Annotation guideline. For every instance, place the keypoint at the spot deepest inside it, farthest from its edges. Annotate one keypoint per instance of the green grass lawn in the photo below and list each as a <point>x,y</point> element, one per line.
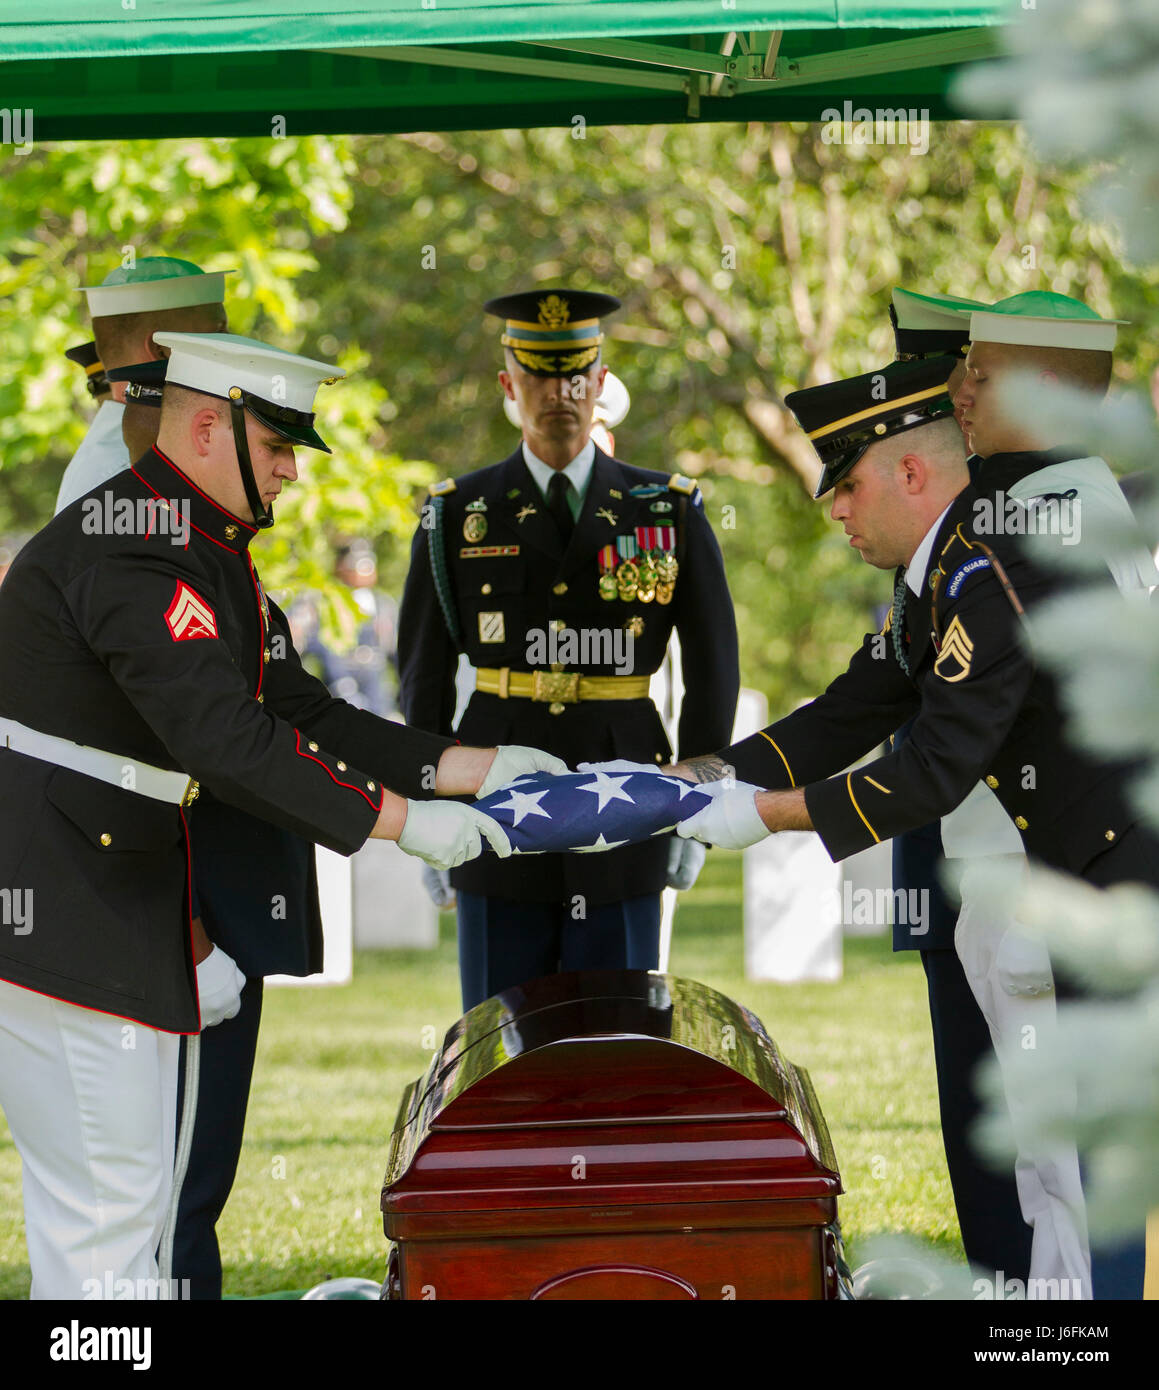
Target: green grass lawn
<point>332,1064</point>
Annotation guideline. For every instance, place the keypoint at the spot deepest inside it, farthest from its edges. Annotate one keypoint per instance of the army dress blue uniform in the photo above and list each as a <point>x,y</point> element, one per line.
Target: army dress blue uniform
<point>490,573</point>
<point>994,1233</point>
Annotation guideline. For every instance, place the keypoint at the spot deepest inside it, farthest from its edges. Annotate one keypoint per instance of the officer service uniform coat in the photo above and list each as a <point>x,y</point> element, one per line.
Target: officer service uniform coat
<point>171,655</point>
<point>524,582</point>
<point>983,707</point>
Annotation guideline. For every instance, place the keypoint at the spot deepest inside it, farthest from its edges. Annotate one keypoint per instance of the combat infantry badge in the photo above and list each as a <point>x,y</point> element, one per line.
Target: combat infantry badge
<point>953,664</point>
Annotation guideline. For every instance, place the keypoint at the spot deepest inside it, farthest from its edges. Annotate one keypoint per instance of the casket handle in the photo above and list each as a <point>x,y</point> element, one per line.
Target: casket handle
<point>616,1282</point>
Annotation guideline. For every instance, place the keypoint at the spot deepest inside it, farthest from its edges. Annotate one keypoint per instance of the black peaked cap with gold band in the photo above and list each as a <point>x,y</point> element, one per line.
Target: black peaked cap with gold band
<point>844,418</point>
<point>553,332</point>
<point>85,355</point>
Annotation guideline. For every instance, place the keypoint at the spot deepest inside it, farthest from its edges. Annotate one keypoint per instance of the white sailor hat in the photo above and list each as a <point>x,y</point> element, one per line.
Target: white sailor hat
<point>155,283</point>
<point>1041,318</point>
<point>276,387</point>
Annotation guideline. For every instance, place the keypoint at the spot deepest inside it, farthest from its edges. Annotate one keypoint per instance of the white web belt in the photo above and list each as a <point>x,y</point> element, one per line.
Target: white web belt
<point>118,771</point>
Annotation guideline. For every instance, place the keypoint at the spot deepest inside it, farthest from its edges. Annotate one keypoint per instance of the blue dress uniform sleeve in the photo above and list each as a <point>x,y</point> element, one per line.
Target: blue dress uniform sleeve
<point>971,696</point>
<point>706,625</point>
<point>427,658</point>
<point>194,698</point>
<point>402,758</point>
<point>868,702</point>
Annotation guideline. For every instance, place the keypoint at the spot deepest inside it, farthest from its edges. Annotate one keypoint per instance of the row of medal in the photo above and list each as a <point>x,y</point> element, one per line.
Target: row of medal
<point>641,567</point>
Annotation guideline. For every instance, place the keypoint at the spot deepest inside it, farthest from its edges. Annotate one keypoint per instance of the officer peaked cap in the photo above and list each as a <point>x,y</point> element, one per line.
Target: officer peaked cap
<point>844,418</point>
<point>553,332</point>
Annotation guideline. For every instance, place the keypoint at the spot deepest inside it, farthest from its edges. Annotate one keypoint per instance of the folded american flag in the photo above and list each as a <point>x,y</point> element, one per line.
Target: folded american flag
<point>588,811</point>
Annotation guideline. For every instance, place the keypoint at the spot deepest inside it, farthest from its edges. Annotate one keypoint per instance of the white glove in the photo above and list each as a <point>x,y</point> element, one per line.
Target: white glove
<point>219,987</point>
<point>730,820</point>
<point>446,833</point>
<point>685,861</point>
<point>513,760</point>
<point>618,765</point>
<point>437,882</point>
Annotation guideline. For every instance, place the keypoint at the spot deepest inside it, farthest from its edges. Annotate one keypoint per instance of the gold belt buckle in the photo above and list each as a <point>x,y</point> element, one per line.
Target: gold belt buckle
<point>191,792</point>
<point>557,687</point>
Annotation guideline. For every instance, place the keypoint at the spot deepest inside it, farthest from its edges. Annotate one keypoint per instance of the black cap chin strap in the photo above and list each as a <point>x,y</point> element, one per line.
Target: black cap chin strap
<point>263,516</point>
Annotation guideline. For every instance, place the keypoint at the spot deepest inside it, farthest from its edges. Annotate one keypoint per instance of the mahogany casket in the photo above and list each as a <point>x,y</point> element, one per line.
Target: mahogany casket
<point>611,1135</point>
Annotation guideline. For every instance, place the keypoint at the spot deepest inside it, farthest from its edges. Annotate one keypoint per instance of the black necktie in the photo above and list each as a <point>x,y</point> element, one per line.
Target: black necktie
<point>557,495</point>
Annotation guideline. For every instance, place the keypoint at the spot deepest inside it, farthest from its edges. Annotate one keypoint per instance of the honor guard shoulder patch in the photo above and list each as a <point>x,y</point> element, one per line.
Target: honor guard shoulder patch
<point>189,615</point>
<point>963,572</point>
<point>443,488</point>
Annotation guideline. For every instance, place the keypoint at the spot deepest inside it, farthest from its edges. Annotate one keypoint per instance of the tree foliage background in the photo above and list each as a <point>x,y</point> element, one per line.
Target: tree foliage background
<point>752,260</point>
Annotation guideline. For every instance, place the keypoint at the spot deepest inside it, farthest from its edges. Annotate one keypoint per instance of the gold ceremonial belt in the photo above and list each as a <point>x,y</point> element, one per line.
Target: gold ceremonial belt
<point>558,687</point>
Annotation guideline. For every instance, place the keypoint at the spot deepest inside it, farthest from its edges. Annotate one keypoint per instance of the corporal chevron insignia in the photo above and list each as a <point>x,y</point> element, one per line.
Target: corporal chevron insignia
<point>953,664</point>
<point>590,811</point>
<point>189,615</point>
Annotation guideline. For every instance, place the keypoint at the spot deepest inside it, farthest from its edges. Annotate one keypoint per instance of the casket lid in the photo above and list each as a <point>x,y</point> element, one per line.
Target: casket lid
<point>595,1049</point>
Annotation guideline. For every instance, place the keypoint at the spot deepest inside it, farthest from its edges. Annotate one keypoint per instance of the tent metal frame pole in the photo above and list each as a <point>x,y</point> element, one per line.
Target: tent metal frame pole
<point>757,71</point>
<point>518,66</point>
<point>684,68</point>
<point>939,50</point>
<point>735,65</point>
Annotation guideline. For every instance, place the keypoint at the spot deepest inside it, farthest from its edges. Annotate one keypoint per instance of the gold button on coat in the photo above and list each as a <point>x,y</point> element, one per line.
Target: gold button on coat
<point>370,786</point>
<point>486,589</point>
<point>106,838</point>
<point>313,747</point>
<point>266,656</point>
<point>341,767</point>
<point>992,782</point>
<point>560,589</point>
<point>555,707</point>
<point>1110,835</point>
<point>1021,822</point>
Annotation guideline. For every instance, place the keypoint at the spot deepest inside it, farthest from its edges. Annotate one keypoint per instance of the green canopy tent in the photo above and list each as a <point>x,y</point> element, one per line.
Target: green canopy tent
<point>93,69</point>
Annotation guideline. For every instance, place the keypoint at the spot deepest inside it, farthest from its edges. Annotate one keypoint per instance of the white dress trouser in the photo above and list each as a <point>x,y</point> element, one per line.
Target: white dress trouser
<point>91,1102</point>
<point>1010,976</point>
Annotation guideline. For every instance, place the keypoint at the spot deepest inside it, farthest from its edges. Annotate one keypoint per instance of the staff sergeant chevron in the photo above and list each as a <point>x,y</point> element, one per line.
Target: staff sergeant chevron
<point>957,653</point>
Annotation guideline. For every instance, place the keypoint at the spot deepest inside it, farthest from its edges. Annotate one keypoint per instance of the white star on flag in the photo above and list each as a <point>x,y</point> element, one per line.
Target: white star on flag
<point>682,786</point>
<point>607,789</point>
<point>600,843</point>
<point>524,804</point>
